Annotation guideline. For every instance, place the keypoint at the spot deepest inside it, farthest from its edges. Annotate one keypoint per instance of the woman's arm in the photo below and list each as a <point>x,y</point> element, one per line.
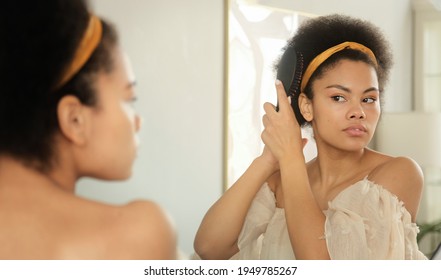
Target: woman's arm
<point>305,220</point>
<point>218,233</point>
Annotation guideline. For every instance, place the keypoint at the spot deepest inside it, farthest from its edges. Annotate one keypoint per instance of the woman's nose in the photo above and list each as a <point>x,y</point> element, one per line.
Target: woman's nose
<point>356,112</point>
<point>138,122</point>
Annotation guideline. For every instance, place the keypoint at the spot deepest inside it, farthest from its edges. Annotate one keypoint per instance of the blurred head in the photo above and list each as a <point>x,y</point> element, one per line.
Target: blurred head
<point>42,40</point>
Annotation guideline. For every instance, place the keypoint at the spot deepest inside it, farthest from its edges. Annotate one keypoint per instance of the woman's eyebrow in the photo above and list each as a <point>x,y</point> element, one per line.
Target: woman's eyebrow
<point>343,88</point>
<point>340,87</point>
<point>371,89</point>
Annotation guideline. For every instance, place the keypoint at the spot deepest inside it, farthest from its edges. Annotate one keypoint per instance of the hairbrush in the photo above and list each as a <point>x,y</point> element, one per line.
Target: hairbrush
<point>289,72</point>
<point>287,69</point>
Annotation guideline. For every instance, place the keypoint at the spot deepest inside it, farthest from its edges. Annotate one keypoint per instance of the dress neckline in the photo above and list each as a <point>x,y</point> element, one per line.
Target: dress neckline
<point>371,184</point>
<point>273,195</point>
<point>343,191</point>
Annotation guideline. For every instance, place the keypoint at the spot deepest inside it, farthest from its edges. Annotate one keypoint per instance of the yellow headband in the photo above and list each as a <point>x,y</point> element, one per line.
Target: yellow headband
<point>89,42</point>
<point>318,60</point>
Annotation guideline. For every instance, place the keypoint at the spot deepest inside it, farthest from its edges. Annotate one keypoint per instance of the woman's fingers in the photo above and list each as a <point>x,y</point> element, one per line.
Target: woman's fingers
<point>284,101</point>
<point>269,108</point>
<point>281,131</point>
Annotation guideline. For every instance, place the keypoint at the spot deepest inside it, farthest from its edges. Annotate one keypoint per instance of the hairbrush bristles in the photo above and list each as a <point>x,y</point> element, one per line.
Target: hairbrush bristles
<point>294,89</point>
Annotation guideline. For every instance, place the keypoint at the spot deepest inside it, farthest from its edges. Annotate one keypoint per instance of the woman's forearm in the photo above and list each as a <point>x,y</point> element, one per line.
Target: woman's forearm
<point>220,228</point>
<point>305,220</point>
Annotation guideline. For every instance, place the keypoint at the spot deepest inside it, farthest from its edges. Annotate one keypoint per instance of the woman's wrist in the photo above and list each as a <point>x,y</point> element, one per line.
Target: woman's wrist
<point>265,165</point>
<point>292,158</point>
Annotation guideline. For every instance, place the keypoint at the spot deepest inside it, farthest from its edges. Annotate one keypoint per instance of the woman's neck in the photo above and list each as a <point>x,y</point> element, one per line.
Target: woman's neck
<point>14,173</point>
<point>333,167</point>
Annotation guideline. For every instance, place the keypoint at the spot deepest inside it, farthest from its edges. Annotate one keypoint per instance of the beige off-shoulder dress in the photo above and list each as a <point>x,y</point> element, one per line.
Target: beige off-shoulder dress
<point>364,221</point>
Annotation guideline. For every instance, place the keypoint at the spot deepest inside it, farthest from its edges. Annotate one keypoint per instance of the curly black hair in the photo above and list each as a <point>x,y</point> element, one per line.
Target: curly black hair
<point>40,39</point>
<point>321,33</point>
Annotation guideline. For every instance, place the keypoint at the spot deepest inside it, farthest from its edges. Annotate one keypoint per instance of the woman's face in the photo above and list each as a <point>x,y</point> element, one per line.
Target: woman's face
<point>346,105</point>
<point>114,123</point>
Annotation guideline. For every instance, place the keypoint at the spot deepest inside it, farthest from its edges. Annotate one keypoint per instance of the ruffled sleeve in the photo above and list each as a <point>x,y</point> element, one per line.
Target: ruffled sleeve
<point>366,221</point>
<point>256,222</point>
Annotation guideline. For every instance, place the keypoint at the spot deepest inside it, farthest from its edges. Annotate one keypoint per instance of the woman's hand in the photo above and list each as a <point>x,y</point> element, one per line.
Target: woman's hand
<point>281,134</point>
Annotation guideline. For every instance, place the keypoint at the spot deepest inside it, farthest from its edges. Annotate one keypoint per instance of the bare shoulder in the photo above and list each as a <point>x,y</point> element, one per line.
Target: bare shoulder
<point>403,177</point>
<point>58,225</point>
<point>144,230</point>
<point>137,230</point>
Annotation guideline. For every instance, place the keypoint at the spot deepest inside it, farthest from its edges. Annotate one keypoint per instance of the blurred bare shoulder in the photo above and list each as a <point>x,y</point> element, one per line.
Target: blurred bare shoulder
<point>145,231</point>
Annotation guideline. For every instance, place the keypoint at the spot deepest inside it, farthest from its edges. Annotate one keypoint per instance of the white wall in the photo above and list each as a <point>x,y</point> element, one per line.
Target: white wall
<point>176,47</point>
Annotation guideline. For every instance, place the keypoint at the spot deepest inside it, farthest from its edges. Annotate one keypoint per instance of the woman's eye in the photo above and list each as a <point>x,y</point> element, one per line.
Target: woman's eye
<point>132,99</point>
<point>369,100</point>
<point>338,98</point>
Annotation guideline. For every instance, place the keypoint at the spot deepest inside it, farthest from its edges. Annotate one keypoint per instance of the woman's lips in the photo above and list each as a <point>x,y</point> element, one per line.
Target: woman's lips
<point>355,130</point>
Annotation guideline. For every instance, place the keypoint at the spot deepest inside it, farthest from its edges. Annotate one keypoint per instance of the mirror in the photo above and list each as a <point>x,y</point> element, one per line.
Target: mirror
<point>256,36</point>
<point>257,31</point>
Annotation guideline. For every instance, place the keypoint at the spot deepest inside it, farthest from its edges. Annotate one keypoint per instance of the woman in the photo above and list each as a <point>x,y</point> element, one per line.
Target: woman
<point>350,202</point>
<point>66,113</point>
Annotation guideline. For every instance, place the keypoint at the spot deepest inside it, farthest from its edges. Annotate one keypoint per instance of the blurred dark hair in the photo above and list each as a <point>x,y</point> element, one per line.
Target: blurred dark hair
<point>40,40</point>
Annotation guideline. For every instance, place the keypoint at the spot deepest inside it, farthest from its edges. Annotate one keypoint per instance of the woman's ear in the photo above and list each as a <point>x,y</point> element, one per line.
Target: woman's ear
<point>305,106</point>
<point>72,118</point>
